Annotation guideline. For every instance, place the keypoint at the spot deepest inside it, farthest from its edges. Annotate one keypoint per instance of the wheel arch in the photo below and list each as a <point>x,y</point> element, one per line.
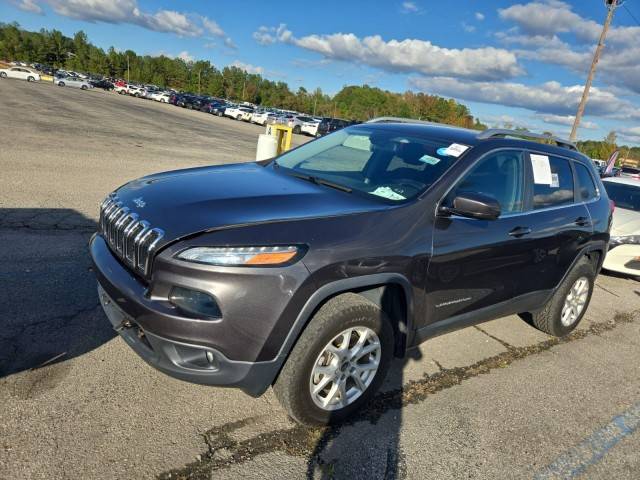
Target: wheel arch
<point>392,292</point>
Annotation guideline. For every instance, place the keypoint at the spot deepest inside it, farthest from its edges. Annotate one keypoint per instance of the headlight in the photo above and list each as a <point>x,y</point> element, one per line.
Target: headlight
<point>625,240</point>
<point>237,256</point>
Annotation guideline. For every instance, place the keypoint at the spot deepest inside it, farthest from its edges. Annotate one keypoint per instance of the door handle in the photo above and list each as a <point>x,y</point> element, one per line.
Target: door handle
<point>583,222</point>
<point>520,232</point>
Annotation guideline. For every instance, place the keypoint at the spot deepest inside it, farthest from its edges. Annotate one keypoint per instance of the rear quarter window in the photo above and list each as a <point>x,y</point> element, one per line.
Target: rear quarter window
<point>587,189</point>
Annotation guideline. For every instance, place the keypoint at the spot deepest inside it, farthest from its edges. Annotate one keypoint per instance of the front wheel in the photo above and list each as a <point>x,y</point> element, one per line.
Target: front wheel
<point>61,84</point>
<point>296,129</point>
<point>3,74</point>
<point>31,79</point>
<point>564,310</point>
<point>338,363</point>
<point>83,87</point>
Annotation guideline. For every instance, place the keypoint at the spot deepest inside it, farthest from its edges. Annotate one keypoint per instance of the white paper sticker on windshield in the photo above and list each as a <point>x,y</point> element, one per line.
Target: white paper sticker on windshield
<point>455,150</point>
<point>541,169</point>
<point>555,181</point>
<point>386,192</point>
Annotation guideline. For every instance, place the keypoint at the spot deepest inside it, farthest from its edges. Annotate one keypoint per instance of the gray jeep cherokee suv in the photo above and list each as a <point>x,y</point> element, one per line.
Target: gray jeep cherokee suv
<point>310,272</point>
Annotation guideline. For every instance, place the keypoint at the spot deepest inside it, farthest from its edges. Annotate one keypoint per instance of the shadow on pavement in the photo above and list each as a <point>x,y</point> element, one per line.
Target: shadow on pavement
<point>370,446</point>
<point>49,309</point>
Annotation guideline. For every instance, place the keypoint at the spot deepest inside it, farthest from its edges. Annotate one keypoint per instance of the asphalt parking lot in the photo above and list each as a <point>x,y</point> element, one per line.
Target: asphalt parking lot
<point>501,400</point>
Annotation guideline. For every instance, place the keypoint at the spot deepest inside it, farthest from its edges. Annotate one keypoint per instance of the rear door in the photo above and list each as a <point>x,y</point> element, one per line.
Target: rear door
<point>559,221</point>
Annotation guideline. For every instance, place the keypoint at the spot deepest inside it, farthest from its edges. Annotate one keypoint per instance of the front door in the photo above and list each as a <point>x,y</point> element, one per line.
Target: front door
<point>476,263</point>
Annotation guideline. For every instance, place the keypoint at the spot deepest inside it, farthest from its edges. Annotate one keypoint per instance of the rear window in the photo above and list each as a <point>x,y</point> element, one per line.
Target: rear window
<point>630,170</point>
<point>624,196</point>
<point>586,186</point>
<point>559,189</point>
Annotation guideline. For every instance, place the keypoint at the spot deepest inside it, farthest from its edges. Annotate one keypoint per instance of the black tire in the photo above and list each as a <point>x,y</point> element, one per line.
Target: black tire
<point>296,129</point>
<point>83,87</point>
<point>549,318</point>
<point>292,388</point>
<point>31,79</point>
<point>3,74</point>
<point>61,84</point>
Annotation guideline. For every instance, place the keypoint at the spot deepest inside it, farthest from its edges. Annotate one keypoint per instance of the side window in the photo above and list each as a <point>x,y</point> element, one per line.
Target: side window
<point>499,175</point>
<point>586,187</point>
<point>560,190</point>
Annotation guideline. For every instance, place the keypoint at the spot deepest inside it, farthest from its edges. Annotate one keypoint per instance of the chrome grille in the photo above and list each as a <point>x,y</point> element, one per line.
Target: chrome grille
<point>130,238</point>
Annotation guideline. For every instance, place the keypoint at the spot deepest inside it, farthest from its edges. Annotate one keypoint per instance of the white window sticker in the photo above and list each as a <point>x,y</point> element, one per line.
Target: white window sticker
<point>541,169</point>
<point>455,150</point>
<point>386,192</point>
<point>555,181</point>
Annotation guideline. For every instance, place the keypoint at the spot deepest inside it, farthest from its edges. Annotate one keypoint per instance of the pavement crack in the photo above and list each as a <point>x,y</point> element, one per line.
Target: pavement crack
<point>308,442</point>
<point>607,290</point>
<point>505,344</point>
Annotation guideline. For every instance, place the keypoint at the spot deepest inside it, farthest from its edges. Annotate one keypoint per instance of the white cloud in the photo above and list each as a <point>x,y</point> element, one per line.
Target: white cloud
<point>184,55</point>
<point>410,7</point>
<point>468,28</point>
<point>479,16</point>
<point>28,6</point>
<point>247,67</point>
<point>566,120</point>
<point>128,11</point>
<point>550,97</point>
<point>229,44</point>
<point>631,134</point>
<point>409,55</point>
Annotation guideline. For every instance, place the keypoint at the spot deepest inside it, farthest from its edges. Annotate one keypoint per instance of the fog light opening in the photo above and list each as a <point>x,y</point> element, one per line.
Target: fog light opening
<point>195,304</point>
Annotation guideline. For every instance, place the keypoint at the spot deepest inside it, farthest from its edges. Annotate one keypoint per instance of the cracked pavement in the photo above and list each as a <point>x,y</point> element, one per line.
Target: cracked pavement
<point>500,400</point>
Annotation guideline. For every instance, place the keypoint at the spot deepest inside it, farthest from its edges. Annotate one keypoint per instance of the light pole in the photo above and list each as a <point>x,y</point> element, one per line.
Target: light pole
<point>611,7</point>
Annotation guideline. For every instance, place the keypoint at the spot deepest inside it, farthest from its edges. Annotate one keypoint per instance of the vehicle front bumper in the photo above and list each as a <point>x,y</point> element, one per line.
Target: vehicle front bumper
<point>126,302</point>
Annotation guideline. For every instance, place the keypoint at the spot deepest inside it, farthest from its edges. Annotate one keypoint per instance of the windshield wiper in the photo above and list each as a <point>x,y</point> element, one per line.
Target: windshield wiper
<point>321,181</point>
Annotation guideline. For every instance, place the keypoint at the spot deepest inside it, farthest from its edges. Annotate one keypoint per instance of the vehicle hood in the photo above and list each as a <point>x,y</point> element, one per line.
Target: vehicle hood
<point>625,222</point>
<point>186,202</point>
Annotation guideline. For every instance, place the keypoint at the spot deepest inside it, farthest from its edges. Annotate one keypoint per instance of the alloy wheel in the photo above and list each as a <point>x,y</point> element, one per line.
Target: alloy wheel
<point>345,368</point>
<point>575,302</point>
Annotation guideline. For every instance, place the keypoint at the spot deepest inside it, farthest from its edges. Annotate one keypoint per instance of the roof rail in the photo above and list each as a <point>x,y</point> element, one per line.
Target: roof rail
<point>401,120</point>
<point>502,132</point>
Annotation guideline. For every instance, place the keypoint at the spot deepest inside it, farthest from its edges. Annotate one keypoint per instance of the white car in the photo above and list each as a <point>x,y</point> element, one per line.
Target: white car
<point>75,82</point>
<point>121,89</point>
<point>236,112</point>
<point>162,97</point>
<point>311,127</point>
<point>259,117</point>
<point>136,91</point>
<point>21,73</point>
<point>624,246</point>
<point>246,115</point>
<point>296,122</point>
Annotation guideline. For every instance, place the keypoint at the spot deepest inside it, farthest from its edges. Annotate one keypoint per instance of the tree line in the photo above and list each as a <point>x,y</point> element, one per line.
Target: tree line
<point>56,50</point>
<point>357,102</point>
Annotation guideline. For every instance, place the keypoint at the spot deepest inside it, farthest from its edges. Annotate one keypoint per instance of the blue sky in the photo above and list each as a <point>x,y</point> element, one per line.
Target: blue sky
<point>518,62</point>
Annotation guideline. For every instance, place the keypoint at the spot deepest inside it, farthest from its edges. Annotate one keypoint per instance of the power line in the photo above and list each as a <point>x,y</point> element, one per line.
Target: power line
<point>631,14</point>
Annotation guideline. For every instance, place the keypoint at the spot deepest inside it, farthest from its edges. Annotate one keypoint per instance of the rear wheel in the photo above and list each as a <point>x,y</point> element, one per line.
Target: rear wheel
<point>3,74</point>
<point>61,84</point>
<point>564,311</point>
<point>296,129</point>
<point>83,87</point>
<point>338,363</point>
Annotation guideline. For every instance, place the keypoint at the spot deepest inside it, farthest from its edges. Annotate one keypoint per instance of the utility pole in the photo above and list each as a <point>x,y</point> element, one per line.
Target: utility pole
<point>127,68</point>
<point>198,82</point>
<point>611,6</point>
<point>244,84</point>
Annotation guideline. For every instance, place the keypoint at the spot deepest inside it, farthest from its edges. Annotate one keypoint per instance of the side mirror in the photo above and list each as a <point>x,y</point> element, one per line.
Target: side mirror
<point>473,205</point>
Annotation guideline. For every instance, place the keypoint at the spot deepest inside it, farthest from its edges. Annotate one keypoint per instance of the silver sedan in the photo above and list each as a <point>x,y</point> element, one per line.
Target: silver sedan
<point>75,82</point>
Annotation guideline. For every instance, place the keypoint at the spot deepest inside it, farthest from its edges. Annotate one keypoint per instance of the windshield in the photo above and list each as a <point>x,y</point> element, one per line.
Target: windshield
<point>624,196</point>
<point>383,163</point>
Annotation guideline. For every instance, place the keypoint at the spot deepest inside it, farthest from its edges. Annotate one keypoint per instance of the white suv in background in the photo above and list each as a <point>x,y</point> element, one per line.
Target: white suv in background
<point>311,127</point>
<point>296,122</point>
